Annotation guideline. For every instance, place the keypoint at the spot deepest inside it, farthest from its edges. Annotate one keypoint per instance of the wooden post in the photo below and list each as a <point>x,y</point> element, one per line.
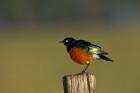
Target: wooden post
<point>79,83</point>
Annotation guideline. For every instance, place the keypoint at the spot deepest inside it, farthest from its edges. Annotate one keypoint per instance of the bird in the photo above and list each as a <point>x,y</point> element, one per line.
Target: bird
<point>84,52</point>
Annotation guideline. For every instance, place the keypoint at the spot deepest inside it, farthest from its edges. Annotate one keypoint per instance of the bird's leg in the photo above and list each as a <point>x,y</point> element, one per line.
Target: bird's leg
<point>84,70</point>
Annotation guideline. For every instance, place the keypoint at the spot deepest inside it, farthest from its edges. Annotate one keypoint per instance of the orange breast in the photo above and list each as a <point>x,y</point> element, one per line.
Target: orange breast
<point>80,56</point>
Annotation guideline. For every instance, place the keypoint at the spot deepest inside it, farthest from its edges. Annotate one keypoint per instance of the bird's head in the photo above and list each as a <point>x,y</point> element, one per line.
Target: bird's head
<point>68,41</point>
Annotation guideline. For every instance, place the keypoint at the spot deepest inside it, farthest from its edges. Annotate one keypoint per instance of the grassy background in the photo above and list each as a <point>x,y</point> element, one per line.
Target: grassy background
<point>32,60</point>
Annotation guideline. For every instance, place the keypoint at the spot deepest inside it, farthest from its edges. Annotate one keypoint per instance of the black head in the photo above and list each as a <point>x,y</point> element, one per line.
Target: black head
<point>68,41</point>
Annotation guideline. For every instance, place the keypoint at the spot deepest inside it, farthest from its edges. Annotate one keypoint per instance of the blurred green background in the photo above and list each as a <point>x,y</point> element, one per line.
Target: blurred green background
<point>32,60</point>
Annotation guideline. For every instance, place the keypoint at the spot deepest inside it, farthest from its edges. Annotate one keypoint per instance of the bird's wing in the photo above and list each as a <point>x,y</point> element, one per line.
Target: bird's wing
<point>96,51</point>
<point>84,43</point>
<point>89,47</point>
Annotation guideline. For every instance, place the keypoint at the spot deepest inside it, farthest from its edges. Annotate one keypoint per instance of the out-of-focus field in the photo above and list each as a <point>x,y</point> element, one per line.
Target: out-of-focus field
<point>32,60</point>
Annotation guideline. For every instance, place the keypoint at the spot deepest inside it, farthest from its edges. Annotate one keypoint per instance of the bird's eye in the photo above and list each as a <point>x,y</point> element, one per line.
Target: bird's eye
<point>67,41</point>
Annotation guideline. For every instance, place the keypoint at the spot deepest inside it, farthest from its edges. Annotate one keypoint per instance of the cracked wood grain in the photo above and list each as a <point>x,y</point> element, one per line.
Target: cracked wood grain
<point>79,83</point>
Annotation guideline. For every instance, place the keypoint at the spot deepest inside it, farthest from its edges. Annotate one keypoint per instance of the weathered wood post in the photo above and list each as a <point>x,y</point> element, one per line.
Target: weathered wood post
<point>79,83</point>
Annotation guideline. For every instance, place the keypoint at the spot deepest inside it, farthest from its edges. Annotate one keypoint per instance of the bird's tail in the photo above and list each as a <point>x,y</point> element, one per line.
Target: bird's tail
<point>105,58</point>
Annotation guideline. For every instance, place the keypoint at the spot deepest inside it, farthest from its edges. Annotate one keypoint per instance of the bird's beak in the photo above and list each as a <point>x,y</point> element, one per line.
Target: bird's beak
<point>60,41</point>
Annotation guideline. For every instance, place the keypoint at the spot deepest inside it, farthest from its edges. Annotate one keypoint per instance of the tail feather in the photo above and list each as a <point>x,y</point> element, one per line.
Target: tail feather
<point>104,53</point>
<point>105,58</point>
